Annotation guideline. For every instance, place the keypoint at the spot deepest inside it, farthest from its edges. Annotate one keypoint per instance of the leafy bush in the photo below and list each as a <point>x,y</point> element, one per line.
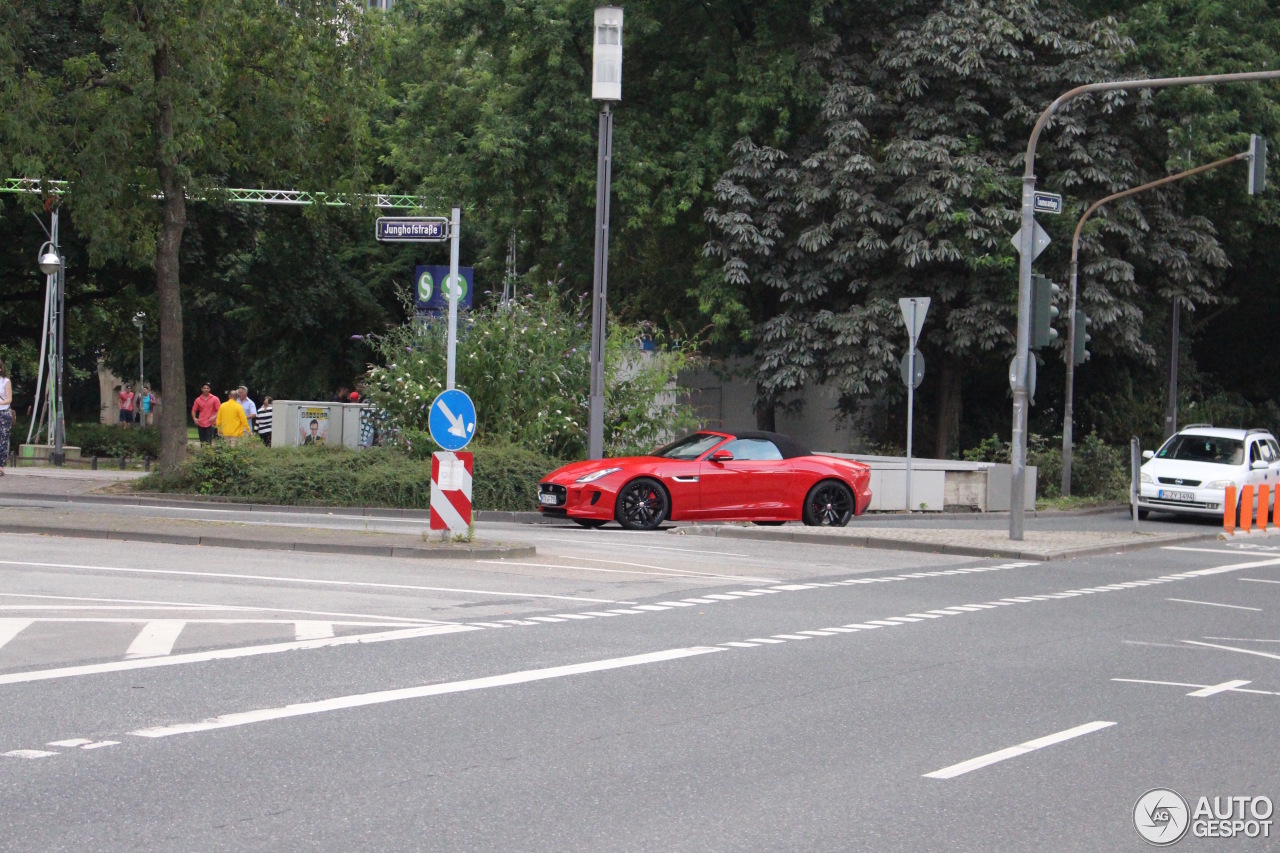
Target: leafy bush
<point>525,364</point>
<point>109,440</point>
<point>506,478</point>
<point>1098,469</point>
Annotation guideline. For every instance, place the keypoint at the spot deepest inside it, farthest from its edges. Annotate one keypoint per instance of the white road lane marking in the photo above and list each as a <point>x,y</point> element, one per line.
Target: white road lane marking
<point>628,546</point>
<point>1257,580</point>
<point>764,640</point>
<point>1234,649</point>
<point>72,742</point>
<point>10,628</point>
<point>1215,689</point>
<point>28,753</point>
<point>1213,604</point>
<point>1242,640</point>
<point>156,638</point>
<point>312,630</point>
<point>1014,751</point>
<point>101,744</point>
<point>384,696</point>
<point>197,606</point>
<point>668,569</point>
<point>316,581</point>
<point>227,654</point>
<point>1200,688</point>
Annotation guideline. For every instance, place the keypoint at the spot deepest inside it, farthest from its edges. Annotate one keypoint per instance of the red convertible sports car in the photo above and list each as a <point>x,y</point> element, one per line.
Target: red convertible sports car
<point>712,475</point>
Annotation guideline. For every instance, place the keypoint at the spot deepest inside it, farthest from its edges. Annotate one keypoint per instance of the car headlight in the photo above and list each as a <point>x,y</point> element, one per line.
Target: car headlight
<point>1219,484</point>
<point>1146,478</point>
<point>596,475</point>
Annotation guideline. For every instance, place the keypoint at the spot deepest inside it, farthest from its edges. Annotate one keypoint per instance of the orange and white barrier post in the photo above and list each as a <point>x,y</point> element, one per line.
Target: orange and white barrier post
<point>451,490</point>
<point>1264,505</point>
<point>1246,508</point>
<point>1229,510</point>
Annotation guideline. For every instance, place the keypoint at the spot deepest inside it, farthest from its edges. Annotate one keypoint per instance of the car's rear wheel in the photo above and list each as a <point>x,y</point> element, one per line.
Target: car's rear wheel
<point>591,523</point>
<point>643,505</point>
<point>828,504</point>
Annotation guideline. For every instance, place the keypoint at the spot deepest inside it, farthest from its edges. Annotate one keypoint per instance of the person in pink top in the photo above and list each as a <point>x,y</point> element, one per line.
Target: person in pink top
<point>205,412</point>
<point>126,405</point>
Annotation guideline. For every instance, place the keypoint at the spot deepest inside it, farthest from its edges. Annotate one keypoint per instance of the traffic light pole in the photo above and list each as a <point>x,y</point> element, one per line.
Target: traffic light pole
<point>1072,331</point>
<point>1018,454</point>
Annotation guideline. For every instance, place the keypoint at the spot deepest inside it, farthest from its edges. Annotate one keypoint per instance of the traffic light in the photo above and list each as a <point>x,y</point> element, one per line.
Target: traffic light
<point>1257,164</point>
<point>1043,311</point>
<point>1081,354</point>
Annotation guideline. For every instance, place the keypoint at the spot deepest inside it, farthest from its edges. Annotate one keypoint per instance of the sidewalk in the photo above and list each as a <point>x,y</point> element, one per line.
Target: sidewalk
<point>1039,545</point>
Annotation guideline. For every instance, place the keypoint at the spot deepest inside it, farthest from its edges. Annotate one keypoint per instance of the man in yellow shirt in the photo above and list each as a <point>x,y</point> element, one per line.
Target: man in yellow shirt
<point>232,422</point>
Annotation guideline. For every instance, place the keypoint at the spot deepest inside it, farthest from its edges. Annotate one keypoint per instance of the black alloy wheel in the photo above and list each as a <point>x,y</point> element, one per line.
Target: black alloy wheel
<point>828,504</point>
<point>591,523</point>
<point>643,505</point>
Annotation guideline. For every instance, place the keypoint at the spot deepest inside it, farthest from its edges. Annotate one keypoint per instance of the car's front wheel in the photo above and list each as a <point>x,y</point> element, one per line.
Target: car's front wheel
<point>828,504</point>
<point>642,505</point>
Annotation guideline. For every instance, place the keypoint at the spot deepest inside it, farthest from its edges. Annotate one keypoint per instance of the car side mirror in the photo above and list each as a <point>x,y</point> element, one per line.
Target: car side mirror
<point>722,456</point>
<point>1148,454</point>
<point>1260,465</point>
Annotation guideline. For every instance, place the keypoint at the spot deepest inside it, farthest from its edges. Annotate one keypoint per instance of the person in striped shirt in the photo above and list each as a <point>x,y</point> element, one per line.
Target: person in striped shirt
<point>263,421</point>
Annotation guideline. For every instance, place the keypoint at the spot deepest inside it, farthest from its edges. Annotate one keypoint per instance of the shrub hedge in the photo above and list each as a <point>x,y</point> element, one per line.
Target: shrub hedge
<point>109,440</point>
<point>506,478</point>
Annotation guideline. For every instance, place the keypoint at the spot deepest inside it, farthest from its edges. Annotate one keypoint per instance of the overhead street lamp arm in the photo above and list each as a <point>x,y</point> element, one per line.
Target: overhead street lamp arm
<point>1021,396</point>
<point>1072,331</point>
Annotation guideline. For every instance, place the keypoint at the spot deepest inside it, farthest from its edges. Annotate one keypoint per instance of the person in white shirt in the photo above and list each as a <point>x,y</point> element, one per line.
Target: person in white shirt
<point>250,410</point>
<point>263,421</point>
<point>6,415</point>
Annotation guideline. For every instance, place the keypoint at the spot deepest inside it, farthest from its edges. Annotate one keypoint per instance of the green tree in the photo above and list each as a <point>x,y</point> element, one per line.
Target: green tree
<point>908,185</point>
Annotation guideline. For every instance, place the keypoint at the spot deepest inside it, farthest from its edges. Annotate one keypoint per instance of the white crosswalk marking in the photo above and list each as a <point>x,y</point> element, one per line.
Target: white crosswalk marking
<point>10,628</point>
<point>156,638</point>
<point>306,630</point>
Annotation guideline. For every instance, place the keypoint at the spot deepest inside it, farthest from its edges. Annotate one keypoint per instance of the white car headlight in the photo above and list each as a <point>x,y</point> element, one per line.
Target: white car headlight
<point>596,475</point>
<point>1219,484</point>
<point>1146,478</point>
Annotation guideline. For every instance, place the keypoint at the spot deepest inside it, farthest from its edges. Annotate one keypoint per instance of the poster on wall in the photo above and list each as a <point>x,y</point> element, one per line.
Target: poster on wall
<point>313,424</point>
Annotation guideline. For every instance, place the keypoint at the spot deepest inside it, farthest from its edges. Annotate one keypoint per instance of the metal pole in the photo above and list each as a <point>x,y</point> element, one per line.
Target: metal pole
<point>1171,405</point>
<point>455,227</point>
<point>600,286</point>
<point>1069,394</point>
<point>911,399</point>
<point>1020,396</point>
<point>1135,472</point>
<point>59,422</point>
<point>142,373</point>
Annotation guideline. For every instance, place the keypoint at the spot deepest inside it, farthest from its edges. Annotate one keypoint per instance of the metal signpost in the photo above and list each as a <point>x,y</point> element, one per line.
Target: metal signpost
<point>432,229</point>
<point>913,312</point>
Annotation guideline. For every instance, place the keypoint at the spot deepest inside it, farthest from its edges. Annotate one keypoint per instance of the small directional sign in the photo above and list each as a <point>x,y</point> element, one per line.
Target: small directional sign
<point>412,229</point>
<point>1047,203</point>
<point>1041,241</point>
<point>452,420</point>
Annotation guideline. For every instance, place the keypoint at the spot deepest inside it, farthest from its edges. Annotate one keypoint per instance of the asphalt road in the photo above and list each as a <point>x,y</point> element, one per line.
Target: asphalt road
<point>627,692</point>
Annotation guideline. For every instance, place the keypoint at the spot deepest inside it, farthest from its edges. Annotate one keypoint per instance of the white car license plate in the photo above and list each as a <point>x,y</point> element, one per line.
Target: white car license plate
<point>1177,496</point>
<point>547,498</point>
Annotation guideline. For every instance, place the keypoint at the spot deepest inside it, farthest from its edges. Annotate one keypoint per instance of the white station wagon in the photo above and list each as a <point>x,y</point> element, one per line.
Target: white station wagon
<point>1190,473</point>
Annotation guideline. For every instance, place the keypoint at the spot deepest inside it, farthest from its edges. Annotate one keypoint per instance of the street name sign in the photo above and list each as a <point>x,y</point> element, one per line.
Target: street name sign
<point>412,229</point>
<point>452,420</point>
<point>1047,203</point>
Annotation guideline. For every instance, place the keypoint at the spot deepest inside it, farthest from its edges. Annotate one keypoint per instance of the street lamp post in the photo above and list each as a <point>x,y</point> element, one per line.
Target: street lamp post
<point>606,87</point>
<point>1026,248</point>
<point>52,265</point>
<point>139,322</point>
<point>1072,331</point>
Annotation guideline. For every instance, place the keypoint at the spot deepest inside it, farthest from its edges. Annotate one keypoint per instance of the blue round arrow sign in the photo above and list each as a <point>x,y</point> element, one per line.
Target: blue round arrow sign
<point>453,419</point>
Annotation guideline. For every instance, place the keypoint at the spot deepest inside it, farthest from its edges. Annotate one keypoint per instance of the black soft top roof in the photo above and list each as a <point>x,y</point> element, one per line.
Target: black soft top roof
<point>789,447</point>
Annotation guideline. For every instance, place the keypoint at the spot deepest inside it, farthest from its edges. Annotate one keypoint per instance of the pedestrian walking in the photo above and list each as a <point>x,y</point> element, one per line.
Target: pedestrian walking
<point>127,400</point>
<point>204,411</point>
<point>6,415</point>
<point>231,420</point>
<point>250,409</point>
<point>263,421</point>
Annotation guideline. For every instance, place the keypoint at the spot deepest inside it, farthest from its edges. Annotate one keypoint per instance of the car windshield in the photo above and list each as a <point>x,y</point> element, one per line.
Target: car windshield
<point>1204,448</point>
<point>690,447</point>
